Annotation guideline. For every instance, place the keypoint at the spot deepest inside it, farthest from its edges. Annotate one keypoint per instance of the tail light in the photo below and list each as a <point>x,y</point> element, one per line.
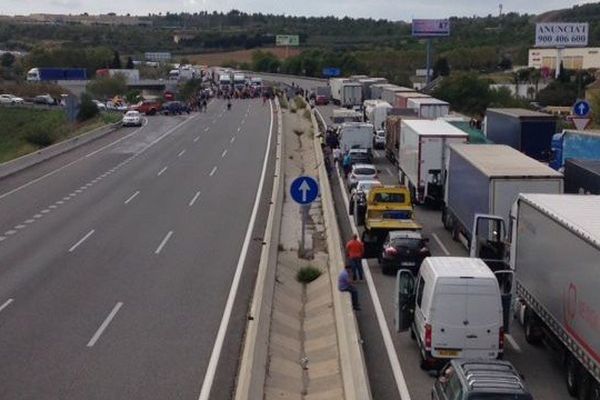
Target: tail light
<point>391,251</point>
<point>427,337</point>
<point>501,339</point>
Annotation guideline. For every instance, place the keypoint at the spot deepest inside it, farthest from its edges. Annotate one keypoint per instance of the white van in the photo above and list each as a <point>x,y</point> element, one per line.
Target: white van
<point>356,135</point>
<point>452,308</point>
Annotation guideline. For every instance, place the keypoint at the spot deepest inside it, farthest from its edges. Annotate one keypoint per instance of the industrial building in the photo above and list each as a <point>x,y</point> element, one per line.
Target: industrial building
<point>572,58</point>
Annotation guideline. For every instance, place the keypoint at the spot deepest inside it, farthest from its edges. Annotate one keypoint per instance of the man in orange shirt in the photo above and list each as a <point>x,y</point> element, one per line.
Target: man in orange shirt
<point>355,251</point>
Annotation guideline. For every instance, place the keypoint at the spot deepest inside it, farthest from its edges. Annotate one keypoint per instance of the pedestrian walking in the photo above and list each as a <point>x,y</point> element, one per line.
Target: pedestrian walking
<point>344,285</point>
<point>337,156</point>
<point>355,251</point>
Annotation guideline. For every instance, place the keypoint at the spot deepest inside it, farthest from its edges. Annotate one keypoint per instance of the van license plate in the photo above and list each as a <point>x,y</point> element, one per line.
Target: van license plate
<point>409,264</point>
<point>448,353</point>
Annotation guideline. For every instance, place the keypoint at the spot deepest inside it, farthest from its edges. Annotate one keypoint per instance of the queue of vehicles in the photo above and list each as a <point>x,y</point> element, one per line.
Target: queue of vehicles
<point>532,248</point>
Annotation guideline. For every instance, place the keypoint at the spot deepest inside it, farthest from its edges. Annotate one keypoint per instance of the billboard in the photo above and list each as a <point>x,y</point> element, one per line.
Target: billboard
<point>561,34</point>
<point>430,28</point>
<point>157,56</point>
<point>287,40</point>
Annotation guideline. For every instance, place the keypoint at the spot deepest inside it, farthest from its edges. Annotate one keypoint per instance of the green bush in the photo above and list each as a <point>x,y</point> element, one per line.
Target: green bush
<point>308,114</point>
<point>40,137</point>
<point>87,108</point>
<point>308,274</point>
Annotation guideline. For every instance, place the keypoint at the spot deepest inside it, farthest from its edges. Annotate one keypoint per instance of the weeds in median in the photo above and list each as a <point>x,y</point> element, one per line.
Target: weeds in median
<point>308,274</point>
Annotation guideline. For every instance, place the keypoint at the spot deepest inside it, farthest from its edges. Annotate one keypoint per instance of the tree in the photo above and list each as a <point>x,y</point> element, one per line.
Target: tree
<point>466,92</point>
<point>441,67</point>
<point>7,60</point>
<point>87,108</point>
<point>129,64</point>
<point>105,87</point>
<point>116,62</point>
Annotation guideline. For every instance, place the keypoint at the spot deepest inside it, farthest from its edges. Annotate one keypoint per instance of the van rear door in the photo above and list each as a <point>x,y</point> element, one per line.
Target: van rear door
<point>447,319</point>
<point>484,313</point>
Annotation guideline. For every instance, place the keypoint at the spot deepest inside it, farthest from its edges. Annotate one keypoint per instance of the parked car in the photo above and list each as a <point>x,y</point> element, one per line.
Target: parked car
<point>148,107</point>
<point>44,99</point>
<point>453,309</point>
<point>362,189</point>
<point>379,139</point>
<point>10,99</point>
<point>174,108</point>
<point>101,106</point>
<point>361,172</point>
<point>479,379</point>
<point>403,249</point>
<point>132,118</point>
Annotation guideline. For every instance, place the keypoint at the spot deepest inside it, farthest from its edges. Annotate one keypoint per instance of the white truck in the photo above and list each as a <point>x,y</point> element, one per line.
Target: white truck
<point>239,81</point>
<point>376,112</point>
<point>341,115</point>
<point>356,135</point>
<point>421,156</point>
<point>555,248</point>
<point>389,92</point>
<point>225,82</point>
<point>345,92</point>
<point>428,108</point>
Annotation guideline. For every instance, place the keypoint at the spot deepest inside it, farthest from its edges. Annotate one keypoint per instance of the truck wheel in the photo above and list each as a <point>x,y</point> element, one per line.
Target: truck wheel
<point>152,112</point>
<point>455,232</point>
<point>572,371</point>
<point>585,385</point>
<point>446,220</point>
<point>594,390</point>
<point>532,335</point>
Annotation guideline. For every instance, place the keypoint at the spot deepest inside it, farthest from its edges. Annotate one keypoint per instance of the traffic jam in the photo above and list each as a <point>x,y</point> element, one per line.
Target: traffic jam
<point>506,193</point>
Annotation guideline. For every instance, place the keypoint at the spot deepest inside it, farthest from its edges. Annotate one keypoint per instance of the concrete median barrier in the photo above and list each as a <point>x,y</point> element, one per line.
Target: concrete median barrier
<point>29,160</point>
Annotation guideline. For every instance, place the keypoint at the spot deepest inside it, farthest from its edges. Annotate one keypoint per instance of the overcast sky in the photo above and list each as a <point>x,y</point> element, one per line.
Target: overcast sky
<point>388,9</point>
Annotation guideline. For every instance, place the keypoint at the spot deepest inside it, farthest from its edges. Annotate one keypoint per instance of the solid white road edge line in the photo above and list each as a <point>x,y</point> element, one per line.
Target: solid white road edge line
<point>6,304</point>
<point>383,325</point>
<point>218,347</point>
<point>133,196</point>
<point>439,242</point>
<point>105,324</point>
<point>163,243</point>
<point>191,203</point>
<point>508,338</point>
<point>83,239</point>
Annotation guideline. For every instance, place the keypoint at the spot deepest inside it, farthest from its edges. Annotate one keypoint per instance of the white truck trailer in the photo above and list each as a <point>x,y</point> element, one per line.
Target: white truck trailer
<point>345,92</point>
<point>376,112</point>
<point>555,254</point>
<point>428,108</point>
<point>421,156</point>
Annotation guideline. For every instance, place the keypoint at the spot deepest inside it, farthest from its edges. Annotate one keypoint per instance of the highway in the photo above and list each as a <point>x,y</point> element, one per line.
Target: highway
<point>540,367</point>
<point>118,260</point>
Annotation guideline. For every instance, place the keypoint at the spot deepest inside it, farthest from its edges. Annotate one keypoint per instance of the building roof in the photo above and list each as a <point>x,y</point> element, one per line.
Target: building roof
<point>520,113</point>
<point>433,127</point>
<point>579,212</point>
<point>501,161</point>
<point>451,267</point>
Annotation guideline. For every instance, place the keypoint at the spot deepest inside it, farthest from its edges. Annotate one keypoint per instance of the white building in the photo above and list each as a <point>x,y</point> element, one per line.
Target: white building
<point>572,58</point>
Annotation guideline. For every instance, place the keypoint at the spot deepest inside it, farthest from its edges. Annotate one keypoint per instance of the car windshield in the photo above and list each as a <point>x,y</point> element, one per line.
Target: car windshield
<point>407,243</point>
<point>132,114</point>
<point>364,171</point>
<point>389,198</point>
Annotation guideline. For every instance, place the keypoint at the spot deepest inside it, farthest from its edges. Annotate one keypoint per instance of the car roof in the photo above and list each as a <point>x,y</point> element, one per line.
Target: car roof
<point>358,151</point>
<point>452,267</point>
<point>405,235</point>
<point>370,182</point>
<point>490,376</point>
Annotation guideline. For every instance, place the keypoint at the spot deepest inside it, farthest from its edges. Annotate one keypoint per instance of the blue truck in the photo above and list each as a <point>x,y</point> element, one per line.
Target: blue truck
<point>528,131</point>
<point>581,145</point>
<point>56,74</point>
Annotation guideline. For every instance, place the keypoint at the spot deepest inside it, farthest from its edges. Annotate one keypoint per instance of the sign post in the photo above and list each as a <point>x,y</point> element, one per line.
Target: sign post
<point>581,114</point>
<point>304,190</point>
<point>430,28</point>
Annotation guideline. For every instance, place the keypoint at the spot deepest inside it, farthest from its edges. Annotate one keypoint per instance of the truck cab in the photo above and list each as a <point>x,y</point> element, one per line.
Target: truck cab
<point>385,209</point>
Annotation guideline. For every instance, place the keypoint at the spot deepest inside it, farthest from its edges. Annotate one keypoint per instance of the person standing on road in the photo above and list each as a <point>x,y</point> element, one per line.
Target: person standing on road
<point>347,164</point>
<point>337,156</point>
<point>344,285</point>
<point>355,251</point>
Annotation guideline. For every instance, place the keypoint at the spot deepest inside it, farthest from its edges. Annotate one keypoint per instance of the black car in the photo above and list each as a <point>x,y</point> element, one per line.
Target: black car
<point>479,380</point>
<point>403,250</point>
<point>174,108</point>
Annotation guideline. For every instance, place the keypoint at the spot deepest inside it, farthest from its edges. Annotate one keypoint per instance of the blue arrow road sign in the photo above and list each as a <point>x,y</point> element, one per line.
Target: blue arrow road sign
<point>581,108</point>
<point>304,190</point>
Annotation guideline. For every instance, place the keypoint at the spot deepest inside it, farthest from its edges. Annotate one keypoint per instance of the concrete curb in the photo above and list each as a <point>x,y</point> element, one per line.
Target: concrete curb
<point>352,361</point>
<point>29,160</point>
<point>253,366</point>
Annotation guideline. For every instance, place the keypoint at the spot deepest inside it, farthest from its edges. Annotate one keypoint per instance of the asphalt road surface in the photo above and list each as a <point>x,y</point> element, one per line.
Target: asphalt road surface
<point>117,259</point>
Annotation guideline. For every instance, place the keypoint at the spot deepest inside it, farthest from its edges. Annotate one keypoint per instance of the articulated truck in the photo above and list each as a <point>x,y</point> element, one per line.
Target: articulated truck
<point>555,248</point>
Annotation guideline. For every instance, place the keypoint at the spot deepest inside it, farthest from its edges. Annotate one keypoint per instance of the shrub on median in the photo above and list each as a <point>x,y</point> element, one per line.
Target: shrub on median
<point>308,274</point>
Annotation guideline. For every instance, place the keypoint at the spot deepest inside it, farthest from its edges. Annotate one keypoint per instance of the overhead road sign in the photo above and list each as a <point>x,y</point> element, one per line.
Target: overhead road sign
<point>331,72</point>
<point>427,28</point>
<point>561,34</point>
<point>304,190</point>
<point>287,40</point>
